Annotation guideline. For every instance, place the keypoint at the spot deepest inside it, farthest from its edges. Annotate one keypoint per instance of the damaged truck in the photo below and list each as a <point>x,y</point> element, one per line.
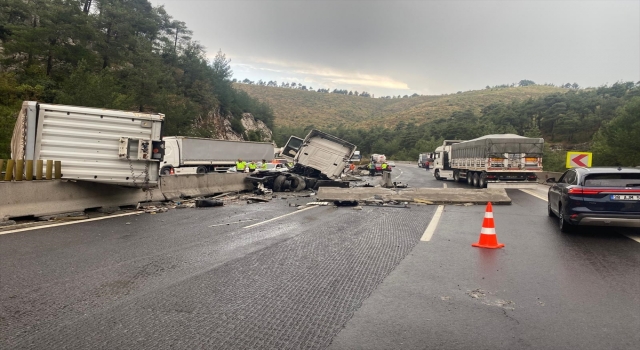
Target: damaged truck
<point>318,160</point>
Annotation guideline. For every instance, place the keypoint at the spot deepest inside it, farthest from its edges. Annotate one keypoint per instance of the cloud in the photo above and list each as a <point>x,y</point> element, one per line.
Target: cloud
<point>322,75</point>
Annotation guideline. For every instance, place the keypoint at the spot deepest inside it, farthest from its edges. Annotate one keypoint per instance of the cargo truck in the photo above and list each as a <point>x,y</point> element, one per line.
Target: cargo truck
<point>192,155</point>
<point>93,144</point>
<point>318,160</point>
<point>505,160</point>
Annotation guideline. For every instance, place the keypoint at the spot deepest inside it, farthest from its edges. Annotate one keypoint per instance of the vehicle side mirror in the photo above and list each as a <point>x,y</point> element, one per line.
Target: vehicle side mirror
<point>551,180</point>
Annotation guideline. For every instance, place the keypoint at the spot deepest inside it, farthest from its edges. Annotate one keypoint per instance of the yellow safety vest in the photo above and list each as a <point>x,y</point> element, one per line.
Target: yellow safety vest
<point>384,166</point>
<point>263,166</point>
<point>241,165</point>
<point>252,166</point>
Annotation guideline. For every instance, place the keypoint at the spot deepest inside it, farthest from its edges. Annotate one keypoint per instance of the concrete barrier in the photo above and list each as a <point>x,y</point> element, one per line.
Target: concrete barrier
<point>43,198</point>
<point>179,186</point>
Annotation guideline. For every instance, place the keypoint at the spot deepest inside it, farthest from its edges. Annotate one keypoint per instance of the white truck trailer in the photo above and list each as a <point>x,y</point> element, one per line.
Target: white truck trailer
<point>93,144</point>
<point>319,160</point>
<point>192,155</point>
<point>505,160</point>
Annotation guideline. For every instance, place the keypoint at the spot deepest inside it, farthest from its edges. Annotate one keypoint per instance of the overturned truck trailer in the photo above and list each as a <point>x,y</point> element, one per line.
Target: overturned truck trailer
<point>319,160</point>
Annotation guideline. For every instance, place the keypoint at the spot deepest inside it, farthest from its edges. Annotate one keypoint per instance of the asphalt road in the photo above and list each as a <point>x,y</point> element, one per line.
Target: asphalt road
<point>321,278</point>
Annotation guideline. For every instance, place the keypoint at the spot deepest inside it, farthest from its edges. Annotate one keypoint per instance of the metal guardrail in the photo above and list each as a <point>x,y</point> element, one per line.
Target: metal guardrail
<point>20,170</point>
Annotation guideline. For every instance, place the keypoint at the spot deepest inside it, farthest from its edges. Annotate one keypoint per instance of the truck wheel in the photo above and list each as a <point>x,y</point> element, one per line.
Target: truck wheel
<point>469,178</point>
<point>476,180</point>
<point>201,170</point>
<point>297,183</point>
<point>437,175</point>
<point>277,183</point>
<point>166,171</point>
<point>483,180</point>
<point>456,176</point>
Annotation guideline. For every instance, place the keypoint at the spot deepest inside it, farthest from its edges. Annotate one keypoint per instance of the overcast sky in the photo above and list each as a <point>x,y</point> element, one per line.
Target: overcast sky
<point>428,47</point>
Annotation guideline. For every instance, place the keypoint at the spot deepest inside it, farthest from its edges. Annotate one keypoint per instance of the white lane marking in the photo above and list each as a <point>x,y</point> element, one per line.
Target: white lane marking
<point>69,223</point>
<point>232,223</point>
<point>537,195</point>
<point>428,233</point>
<point>399,175</point>
<point>633,236</point>
<point>444,185</point>
<point>279,217</point>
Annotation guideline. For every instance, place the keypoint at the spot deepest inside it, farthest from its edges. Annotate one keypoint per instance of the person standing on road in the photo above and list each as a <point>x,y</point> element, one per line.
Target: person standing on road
<point>264,165</point>
<point>240,166</point>
<point>352,168</point>
<point>372,169</point>
<point>252,166</point>
<point>385,167</point>
<point>426,165</point>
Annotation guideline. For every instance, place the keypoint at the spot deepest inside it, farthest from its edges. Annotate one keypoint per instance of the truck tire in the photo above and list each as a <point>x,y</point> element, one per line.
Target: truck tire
<point>476,180</point>
<point>456,176</point>
<point>297,183</point>
<point>483,180</point>
<point>277,183</point>
<point>437,175</point>
<point>469,178</point>
<point>201,170</point>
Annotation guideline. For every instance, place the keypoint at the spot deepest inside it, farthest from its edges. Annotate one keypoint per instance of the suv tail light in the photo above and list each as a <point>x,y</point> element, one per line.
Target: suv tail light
<point>589,191</point>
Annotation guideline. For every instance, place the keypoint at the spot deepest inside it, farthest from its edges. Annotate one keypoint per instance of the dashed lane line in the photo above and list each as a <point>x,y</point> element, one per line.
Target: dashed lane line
<point>68,223</point>
<point>633,236</point>
<point>280,217</point>
<point>433,224</point>
<point>444,185</point>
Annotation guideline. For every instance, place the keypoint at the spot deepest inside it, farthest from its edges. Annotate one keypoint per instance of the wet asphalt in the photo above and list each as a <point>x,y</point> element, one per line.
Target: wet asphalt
<point>322,278</point>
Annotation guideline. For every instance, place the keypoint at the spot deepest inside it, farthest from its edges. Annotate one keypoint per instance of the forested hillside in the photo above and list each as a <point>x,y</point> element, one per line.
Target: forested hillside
<point>119,54</point>
<point>329,110</point>
<point>605,120</point>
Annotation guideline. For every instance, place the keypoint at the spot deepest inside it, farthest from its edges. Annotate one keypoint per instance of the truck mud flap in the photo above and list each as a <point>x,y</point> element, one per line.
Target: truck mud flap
<point>331,183</point>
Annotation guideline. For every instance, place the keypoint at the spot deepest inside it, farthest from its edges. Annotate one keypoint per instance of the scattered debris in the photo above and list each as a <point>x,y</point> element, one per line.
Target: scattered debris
<point>357,208</point>
<point>422,201</point>
<point>60,216</point>
<point>127,223</point>
<point>108,210</point>
<point>345,203</point>
<point>400,185</point>
<point>206,203</point>
<point>7,222</point>
<point>477,293</point>
<point>257,199</point>
<point>445,298</point>
<point>318,203</point>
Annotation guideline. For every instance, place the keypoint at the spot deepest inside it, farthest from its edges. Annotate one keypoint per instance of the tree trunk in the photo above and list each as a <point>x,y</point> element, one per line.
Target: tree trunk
<point>87,6</point>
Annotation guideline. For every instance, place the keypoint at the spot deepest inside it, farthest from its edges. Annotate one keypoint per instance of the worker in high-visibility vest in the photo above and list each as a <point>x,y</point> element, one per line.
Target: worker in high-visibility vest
<point>241,165</point>
<point>372,169</point>
<point>252,166</point>
<point>384,166</point>
<point>290,164</point>
<point>264,165</point>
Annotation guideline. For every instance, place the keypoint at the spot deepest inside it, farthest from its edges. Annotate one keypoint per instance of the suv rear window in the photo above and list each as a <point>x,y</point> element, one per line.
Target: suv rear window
<point>613,180</point>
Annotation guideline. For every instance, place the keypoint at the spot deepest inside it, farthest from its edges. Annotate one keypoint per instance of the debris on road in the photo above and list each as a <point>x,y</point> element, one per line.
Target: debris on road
<point>251,200</point>
<point>318,203</point>
<point>207,203</point>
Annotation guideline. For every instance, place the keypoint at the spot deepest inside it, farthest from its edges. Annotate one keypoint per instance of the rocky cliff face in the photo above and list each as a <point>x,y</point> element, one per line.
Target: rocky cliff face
<point>220,127</point>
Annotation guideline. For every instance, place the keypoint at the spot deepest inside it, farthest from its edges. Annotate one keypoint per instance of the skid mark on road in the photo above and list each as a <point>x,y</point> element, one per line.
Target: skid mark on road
<point>428,233</point>
<point>633,236</point>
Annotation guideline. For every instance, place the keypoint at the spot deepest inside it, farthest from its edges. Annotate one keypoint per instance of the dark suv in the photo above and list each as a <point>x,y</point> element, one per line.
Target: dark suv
<point>596,197</point>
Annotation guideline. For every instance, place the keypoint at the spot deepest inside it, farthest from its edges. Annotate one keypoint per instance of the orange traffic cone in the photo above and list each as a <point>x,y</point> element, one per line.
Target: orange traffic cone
<point>488,238</point>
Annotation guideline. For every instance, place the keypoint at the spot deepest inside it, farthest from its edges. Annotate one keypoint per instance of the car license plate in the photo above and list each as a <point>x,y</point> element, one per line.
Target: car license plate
<point>625,197</point>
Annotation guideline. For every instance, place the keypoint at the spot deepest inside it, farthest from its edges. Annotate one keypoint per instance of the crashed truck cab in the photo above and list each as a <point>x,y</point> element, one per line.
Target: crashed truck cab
<point>319,160</point>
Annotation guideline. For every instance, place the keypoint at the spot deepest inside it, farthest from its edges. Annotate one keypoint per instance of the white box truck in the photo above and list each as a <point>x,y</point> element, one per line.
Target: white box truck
<point>93,144</point>
<point>504,160</point>
<point>192,155</point>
